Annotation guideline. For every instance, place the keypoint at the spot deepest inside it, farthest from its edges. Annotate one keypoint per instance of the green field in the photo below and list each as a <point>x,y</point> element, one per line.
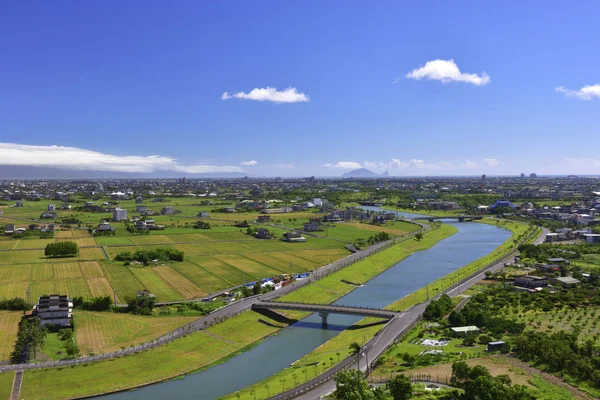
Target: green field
<point>6,382</point>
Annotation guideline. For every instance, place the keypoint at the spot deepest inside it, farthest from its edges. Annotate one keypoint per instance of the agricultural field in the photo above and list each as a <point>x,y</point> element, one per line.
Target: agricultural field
<point>6,382</point>
<point>99,332</point>
<point>9,326</point>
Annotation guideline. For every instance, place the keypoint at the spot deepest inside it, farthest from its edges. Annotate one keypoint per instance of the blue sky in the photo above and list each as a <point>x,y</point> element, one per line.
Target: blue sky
<point>119,82</point>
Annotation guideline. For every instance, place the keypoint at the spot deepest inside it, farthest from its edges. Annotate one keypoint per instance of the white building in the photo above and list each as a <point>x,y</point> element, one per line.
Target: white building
<point>51,207</point>
<point>119,214</point>
<point>317,202</point>
<point>592,237</point>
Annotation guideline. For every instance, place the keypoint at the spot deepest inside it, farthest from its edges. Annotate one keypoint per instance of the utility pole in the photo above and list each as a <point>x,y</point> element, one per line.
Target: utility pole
<point>114,296</point>
<point>427,290</point>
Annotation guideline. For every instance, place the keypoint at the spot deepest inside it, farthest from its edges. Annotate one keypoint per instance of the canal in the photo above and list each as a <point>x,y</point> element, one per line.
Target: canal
<point>472,241</point>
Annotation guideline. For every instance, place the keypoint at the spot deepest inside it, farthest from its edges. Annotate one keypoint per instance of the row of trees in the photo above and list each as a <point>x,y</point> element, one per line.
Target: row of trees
<point>437,309</point>
<point>102,303</point>
<point>352,385</point>
<point>31,336</point>
<point>61,249</point>
<point>145,257</point>
<point>376,238</point>
<point>14,304</point>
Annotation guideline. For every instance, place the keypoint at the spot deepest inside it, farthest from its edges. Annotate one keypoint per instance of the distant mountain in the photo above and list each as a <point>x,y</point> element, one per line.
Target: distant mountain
<point>32,172</point>
<point>363,173</point>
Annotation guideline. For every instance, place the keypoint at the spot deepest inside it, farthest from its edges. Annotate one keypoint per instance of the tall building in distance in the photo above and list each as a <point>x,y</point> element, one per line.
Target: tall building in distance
<point>533,175</point>
<point>119,214</point>
<point>483,177</point>
<point>522,175</point>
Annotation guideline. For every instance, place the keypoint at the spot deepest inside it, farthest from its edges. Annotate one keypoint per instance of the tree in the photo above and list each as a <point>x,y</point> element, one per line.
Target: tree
<point>419,236</point>
<point>352,385</point>
<point>354,348</point>
<point>257,289</point>
<point>400,387</point>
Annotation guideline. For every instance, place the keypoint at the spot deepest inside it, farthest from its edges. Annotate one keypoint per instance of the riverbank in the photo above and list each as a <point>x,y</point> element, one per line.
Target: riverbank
<point>184,356</point>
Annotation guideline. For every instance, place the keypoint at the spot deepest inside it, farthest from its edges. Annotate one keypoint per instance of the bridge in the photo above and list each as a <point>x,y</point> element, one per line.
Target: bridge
<point>460,218</point>
<point>325,309</point>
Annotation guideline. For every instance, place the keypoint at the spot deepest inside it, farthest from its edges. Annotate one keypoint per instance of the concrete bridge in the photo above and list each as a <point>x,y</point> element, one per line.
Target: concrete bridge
<point>460,218</point>
<point>325,309</point>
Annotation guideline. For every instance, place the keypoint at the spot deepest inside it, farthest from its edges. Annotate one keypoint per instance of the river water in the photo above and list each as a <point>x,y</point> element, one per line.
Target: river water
<point>277,352</point>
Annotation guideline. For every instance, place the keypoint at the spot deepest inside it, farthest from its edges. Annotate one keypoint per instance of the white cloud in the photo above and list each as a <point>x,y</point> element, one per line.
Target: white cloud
<point>82,159</point>
<point>249,163</point>
<point>485,163</point>
<point>447,71</point>
<point>344,165</point>
<point>289,95</point>
<point>588,92</point>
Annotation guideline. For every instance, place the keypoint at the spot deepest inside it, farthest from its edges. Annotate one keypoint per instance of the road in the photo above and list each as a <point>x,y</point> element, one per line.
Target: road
<point>400,324</point>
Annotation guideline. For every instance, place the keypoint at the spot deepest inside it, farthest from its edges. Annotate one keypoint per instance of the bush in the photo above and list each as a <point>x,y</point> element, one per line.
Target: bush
<point>147,256</point>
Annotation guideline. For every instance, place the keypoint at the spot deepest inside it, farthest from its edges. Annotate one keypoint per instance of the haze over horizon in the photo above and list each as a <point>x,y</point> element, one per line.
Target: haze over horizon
<point>296,89</point>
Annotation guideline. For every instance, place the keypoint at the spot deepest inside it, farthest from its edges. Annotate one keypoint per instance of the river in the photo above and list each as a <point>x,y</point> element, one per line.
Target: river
<point>472,241</point>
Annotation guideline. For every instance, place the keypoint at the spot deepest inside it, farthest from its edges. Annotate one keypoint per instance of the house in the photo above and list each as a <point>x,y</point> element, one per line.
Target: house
<point>263,218</point>
<point>313,225</point>
<point>1,212</point>
<point>9,229</point>
<point>167,210</point>
<point>54,309</point>
<point>558,260</point>
<point>263,233</point>
<point>141,209</point>
<point>495,345</point>
<point>19,203</point>
<point>530,281</point>
<point>293,236</point>
<point>444,205</point>
<point>119,214</point>
<point>144,293</point>
<point>49,215</point>
<point>464,330</point>
<point>565,281</point>
<point>317,202</point>
<point>552,237</point>
<point>502,204</point>
<point>51,207</point>
<point>140,225</point>
<point>592,237</point>
<point>33,227</point>
<point>104,227</point>
<point>203,214</point>
<point>139,200</point>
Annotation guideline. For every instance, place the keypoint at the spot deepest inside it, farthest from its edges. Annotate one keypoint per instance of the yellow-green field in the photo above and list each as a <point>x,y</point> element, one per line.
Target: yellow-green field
<point>9,326</point>
<point>105,332</point>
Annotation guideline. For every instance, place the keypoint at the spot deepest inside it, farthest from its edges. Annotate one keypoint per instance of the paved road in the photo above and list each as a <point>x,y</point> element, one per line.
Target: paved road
<point>402,323</point>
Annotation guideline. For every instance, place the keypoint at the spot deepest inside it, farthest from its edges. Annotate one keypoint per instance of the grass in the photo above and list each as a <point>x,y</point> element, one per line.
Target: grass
<point>6,382</point>
<point>151,281</point>
<point>9,327</point>
<point>102,332</point>
<point>182,356</point>
<point>53,349</point>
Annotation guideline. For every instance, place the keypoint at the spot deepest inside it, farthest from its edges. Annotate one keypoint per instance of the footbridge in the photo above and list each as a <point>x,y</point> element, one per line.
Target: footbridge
<point>325,309</point>
<point>460,218</point>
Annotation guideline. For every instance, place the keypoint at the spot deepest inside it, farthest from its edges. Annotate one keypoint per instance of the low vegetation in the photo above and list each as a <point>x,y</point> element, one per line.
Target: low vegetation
<point>61,249</point>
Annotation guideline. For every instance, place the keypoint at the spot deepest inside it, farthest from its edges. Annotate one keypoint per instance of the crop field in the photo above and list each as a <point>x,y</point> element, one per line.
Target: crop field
<point>113,240</point>
<point>201,276</point>
<point>12,290</point>
<point>104,332</point>
<point>8,244</point>
<point>153,282</point>
<point>186,288</point>
<point>9,326</point>
<point>150,239</point>
<point>226,272</point>
<point>33,243</point>
<point>250,267</point>
<point>6,382</point>
<point>81,242</point>
<point>74,234</point>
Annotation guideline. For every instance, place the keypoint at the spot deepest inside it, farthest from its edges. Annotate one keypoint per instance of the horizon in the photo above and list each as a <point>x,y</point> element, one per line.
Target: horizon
<point>176,90</point>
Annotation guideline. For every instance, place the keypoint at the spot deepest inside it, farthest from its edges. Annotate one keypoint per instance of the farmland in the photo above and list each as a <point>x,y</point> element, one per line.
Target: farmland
<point>215,259</point>
<point>9,321</point>
<point>103,332</point>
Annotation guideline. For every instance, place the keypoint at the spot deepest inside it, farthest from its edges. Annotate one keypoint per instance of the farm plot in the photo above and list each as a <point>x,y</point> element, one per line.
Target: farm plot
<point>225,247</point>
<point>102,332</point>
<point>42,272</point>
<point>72,234</point>
<point>9,326</point>
<point>38,289</point>
<point>94,253</point>
<point>153,282</point>
<point>193,249</point>
<point>200,276</point>
<point>91,269</point>
<point>113,240</point>
<point>150,239</point>
<point>298,264</point>
<point>114,250</point>
<point>15,273</point>
<point>323,257</point>
<point>188,237</point>
<point>73,288</point>
<point>99,287</point>
<point>186,288</point>
<point>8,244</point>
<point>229,274</point>
<point>251,267</point>
<point>67,270</point>
<point>22,256</point>
<point>81,242</point>
<point>12,290</point>
<point>33,243</point>
<point>232,235</point>
<point>267,259</point>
